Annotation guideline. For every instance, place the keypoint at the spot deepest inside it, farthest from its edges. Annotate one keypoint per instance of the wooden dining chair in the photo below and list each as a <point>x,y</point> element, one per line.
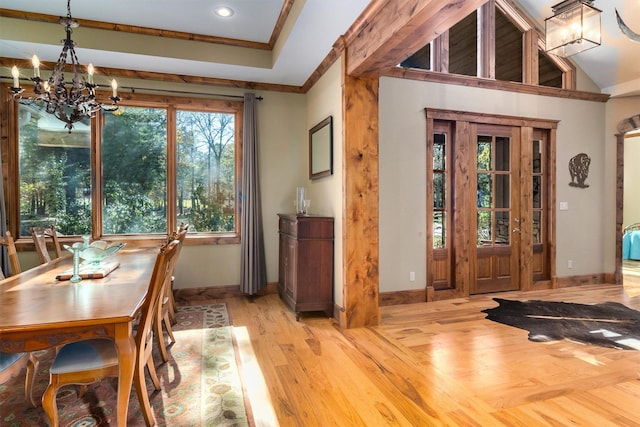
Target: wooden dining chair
<point>85,362</point>
<point>166,310</point>
<point>183,229</point>
<point>11,365</point>
<point>40,236</point>
<point>14,262</point>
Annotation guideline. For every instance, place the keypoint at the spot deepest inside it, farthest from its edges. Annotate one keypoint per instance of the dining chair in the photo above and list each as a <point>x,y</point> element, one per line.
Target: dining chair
<point>39,236</point>
<point>14,262</point>
<point>11,365</point>
<point>166,309</point>
<point>85,362</point>
<point>183,229</point>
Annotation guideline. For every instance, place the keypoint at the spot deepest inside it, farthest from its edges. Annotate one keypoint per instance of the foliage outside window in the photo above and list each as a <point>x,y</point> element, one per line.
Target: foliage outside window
<point>159,165</point>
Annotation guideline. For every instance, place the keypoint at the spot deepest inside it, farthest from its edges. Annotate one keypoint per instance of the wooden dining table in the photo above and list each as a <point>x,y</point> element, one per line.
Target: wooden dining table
<point>39,312</point>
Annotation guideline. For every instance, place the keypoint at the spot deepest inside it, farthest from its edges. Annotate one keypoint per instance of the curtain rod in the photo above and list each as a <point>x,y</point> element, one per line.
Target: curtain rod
<point>133,90</point>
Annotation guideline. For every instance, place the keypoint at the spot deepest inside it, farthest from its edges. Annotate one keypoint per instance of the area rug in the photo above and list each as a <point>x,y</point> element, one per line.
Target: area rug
<point>608,324</point>
<point>201,385</point>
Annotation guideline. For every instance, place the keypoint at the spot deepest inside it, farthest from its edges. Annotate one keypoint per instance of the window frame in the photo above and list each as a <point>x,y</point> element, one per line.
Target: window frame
<point>172,104</point>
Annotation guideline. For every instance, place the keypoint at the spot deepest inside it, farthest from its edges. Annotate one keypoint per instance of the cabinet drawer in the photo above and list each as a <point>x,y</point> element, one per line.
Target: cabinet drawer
<point>287,226</point>
<point>306,227</point>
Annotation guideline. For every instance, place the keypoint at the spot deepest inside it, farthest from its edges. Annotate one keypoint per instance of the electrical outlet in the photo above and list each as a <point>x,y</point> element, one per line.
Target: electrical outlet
<point>570,263</point>
<point>412,276</point>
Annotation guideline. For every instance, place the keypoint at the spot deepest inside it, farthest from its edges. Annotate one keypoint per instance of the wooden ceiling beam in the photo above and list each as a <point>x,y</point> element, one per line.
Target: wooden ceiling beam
<point>397,28</point>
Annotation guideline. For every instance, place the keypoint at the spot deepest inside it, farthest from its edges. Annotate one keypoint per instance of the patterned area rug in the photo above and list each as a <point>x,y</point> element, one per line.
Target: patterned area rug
<point>201,385</point>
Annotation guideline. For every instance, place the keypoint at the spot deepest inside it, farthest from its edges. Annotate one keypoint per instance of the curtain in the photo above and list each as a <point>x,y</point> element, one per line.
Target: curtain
<point>4,257</point>
<point>253,275</point>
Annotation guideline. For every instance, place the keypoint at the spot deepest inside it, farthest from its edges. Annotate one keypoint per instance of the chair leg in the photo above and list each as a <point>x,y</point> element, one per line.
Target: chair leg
<point>141,392</point>
<point>82,389</point>
<point>32,370</point>
<point>153,374</point>
<point>167,326</point>
<point>49,401</point>
<point>160,338</point>
<point>172,305</point>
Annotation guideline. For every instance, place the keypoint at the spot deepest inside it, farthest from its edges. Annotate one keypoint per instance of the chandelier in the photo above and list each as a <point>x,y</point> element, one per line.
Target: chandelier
<point>573,28</point>
<point>71,101</point>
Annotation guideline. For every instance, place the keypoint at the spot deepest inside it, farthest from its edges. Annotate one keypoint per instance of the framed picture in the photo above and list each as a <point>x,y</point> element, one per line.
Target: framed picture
<point>321,149</point>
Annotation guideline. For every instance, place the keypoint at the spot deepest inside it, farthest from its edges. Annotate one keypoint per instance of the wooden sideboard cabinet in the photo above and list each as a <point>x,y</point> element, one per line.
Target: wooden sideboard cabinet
<point>305,272</point>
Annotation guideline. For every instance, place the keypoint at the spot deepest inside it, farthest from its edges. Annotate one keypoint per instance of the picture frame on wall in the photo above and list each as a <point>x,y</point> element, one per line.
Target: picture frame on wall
<point>321,149</point>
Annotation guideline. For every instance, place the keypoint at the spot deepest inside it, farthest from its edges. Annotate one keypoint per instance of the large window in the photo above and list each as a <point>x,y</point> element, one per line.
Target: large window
<point>149,167</point>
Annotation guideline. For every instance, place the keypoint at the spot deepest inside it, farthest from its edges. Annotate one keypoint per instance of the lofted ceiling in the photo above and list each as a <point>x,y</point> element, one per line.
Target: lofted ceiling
<point>265,41</point>
<point>614,66</point>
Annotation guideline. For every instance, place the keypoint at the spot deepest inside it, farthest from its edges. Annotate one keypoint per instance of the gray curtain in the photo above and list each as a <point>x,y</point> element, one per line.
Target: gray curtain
<point>4,257</point>
<point>253,275</point>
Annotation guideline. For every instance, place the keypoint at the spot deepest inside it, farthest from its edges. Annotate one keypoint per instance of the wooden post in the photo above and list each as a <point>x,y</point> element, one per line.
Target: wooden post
<point>360,220</point>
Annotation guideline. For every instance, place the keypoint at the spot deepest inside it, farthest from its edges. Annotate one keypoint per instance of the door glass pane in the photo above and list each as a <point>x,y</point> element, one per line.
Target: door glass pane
<point>438,190</point>
<point>439,151</point>
<point>503,193</point>
<point>438,230</point>
<point>537,226</point>
<point>55,172</point>
<point>502,228</point>
<point>484,153</point>
<point>484,190</point>
<point>502,153</point>
<point>537,190</point>
<point>484,228</point>
<point>537,157</point>
<point>134,171</point>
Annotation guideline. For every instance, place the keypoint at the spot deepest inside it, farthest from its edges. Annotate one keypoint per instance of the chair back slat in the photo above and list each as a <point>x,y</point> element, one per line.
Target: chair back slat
<point>14,262</point>
<point>40,236</point>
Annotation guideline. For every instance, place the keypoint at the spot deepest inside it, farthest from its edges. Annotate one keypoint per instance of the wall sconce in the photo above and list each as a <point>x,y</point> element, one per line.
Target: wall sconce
<point>573,28</point>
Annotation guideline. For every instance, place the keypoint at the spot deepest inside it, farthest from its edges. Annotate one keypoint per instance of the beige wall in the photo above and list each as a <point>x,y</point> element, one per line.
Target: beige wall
<point>580,230</point>
<point>323,100</point>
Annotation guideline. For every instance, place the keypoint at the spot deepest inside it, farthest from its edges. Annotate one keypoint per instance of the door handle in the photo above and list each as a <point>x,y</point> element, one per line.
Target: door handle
<point>516,230</point>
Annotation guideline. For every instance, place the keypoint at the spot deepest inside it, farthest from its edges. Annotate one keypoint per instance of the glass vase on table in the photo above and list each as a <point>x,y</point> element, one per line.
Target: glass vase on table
<point>75,249</point>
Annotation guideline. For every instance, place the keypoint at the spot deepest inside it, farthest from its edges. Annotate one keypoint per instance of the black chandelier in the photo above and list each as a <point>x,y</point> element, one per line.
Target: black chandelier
<point>72,103</point>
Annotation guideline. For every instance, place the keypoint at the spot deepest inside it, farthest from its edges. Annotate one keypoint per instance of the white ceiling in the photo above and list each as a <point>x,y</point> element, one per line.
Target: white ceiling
<point>316,28</point>
<point>614,66</point>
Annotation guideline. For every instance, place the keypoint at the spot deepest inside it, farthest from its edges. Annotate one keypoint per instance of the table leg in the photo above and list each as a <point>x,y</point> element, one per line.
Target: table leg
<point>126,346</point>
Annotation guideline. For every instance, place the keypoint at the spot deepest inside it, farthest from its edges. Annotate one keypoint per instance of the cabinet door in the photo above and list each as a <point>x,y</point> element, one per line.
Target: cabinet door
<point>282,250</point>
<point>291,267</point>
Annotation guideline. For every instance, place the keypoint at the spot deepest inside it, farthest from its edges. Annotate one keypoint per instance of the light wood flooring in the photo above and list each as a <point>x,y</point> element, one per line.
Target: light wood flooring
<point>431,364</point>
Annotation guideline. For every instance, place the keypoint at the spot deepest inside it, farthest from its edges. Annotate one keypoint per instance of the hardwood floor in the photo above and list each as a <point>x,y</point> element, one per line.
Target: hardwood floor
<point>431,364</point>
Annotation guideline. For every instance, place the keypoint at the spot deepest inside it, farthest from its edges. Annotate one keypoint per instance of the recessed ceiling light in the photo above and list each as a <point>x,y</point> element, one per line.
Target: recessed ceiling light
<point>223,11</point>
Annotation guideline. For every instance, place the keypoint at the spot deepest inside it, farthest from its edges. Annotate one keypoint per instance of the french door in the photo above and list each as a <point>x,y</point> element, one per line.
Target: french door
<point>497,232</point>
<point>489,192</point>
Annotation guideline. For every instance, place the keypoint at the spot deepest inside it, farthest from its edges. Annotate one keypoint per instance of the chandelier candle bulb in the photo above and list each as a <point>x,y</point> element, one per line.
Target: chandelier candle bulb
<point>36,66</point>
<point>16,76</point>
<point>114,86</point>
<point>90,71</point>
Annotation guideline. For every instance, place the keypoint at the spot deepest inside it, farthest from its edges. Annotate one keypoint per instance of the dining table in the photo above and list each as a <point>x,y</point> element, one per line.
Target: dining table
<point>39,311</point>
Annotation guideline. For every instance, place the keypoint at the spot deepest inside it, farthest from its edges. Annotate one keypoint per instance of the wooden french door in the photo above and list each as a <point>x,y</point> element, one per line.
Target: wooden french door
<point>497,229</point>
<point>490,189</point>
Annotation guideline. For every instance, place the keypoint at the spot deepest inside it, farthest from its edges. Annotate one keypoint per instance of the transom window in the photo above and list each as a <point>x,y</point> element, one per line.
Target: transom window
<point>159,164</point>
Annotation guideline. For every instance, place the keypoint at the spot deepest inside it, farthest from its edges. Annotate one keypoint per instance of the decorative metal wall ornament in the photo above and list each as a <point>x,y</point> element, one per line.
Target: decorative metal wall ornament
<point>626,30</point>
<point>579,170</point>
<point>69,104</point>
